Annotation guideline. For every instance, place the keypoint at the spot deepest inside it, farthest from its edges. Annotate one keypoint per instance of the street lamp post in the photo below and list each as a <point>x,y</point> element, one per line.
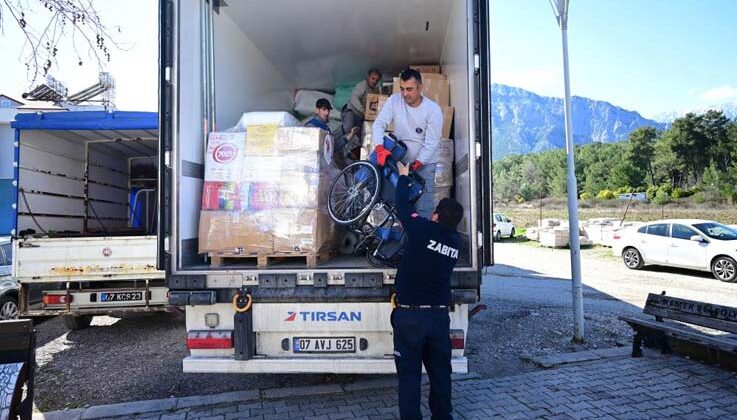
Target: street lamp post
<point>560,8</point>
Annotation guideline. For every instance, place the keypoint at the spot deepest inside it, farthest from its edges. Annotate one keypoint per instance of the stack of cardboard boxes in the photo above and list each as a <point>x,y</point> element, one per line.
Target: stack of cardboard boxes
<point>265,192</point>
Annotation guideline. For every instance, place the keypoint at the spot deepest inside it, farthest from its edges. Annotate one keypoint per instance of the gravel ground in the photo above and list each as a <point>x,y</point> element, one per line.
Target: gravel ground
<point>138,358</point>
<point>527,293</point>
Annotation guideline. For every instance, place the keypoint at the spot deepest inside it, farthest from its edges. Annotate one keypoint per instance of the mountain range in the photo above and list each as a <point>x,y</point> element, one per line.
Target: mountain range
<point>524,122</point>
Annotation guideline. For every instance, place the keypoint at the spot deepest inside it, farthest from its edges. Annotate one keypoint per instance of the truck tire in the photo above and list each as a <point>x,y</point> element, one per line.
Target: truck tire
<point>76,322</point>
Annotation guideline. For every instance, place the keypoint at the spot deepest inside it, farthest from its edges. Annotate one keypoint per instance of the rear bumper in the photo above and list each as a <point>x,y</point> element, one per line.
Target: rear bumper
<point>96,311</point>
<point>225,364</point>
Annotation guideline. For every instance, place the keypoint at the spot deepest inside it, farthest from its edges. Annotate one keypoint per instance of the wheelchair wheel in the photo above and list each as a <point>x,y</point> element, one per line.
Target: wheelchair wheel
<point>354,192</point>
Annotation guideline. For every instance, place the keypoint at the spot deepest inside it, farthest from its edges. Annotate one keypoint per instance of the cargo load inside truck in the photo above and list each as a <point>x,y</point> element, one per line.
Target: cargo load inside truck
<point>262,57</point>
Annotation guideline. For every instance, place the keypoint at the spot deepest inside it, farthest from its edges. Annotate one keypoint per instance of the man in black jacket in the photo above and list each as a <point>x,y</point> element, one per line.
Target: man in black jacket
<point>420,320</point>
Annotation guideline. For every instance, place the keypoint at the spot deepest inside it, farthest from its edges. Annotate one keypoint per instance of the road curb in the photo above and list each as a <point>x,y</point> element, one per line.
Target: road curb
<point>171,405</point>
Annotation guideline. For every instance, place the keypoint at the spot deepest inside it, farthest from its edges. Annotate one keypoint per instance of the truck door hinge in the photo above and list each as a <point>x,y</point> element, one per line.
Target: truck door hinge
<point>476,62</point>
<point>167,159</point>
<point>166,244</point>
<point>480,239</point>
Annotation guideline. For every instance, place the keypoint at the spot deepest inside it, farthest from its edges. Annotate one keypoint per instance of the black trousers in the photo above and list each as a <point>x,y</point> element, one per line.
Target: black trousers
<point>423,337</point>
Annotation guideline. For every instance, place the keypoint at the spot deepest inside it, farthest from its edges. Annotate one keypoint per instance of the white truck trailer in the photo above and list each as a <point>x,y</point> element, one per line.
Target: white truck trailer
<point>86,189</point>
<point>220,60</point>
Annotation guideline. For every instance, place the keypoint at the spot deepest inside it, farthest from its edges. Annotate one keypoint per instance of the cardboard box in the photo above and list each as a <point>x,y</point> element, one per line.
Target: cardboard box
<point>261,140</point>
<point>303,231</point>
<point>374,103</point>
<point>223,196</point>
<point>434,86</point>
<point>437,88</point>
<point>236,232</point>
<point>447,121</point>
<point>304,191</point>
<point>224,158</point>
<point>425,68</point>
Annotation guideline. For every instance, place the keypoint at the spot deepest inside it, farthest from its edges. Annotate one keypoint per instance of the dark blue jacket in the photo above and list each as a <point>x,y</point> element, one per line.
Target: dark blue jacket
<point>318,123</point>
<point>430,253</point>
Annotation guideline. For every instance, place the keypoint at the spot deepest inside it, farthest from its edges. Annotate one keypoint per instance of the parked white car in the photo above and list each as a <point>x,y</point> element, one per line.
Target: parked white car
<point>687,243</point>
<point>502,226</point>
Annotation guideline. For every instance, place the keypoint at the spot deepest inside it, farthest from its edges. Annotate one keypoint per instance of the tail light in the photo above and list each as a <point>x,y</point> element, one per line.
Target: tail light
<point>457,339</point>
<point>57,299</point>
<point>493,225</point>
<point>617,235</point>
<point>209,340</point>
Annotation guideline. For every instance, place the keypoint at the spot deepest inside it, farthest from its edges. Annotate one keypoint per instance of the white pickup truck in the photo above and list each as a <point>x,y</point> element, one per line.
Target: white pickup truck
<point>218,61</point>
<point>84,231</point>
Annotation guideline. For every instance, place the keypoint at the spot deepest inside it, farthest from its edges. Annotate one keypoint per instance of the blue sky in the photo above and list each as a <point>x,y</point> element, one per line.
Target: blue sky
<point>652,56</point>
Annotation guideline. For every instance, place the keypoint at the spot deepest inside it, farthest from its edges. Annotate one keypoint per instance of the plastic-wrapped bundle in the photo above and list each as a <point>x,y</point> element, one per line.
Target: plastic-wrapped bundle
<point>304,102</point>
<point>280,119</point>
<point>441,193</point>
<point>444,167</point>
<point>278,202</point>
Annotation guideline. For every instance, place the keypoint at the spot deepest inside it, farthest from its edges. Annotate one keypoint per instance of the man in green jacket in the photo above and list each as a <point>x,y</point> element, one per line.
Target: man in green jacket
<point>353,111</point>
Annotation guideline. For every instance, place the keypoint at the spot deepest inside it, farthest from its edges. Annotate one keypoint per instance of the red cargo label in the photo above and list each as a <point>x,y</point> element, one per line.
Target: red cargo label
<point>225,153</point>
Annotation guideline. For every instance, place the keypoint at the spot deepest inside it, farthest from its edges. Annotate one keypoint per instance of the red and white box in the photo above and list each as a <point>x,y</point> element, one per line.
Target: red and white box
<point>224,159</point>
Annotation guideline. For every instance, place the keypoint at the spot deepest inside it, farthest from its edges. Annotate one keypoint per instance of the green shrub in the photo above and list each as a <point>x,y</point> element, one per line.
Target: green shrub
<point>699,198</point>
<point>624,190</point>
<point>606,195</point>
<point>651,191</point>
<point>586,196</point>
<point>678,193</point>
<point>662,197</point>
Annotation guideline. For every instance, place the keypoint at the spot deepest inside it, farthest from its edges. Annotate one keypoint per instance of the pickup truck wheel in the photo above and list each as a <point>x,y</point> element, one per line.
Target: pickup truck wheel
<point>76,322</point>
<point>498,236</point>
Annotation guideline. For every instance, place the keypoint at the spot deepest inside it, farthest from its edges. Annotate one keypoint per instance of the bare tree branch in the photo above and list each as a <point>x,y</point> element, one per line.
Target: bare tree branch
<point>45,23</point>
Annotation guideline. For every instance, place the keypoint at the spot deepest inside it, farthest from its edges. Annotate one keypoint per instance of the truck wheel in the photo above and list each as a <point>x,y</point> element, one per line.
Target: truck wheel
<point>76,322</point>
<point>498,236</point>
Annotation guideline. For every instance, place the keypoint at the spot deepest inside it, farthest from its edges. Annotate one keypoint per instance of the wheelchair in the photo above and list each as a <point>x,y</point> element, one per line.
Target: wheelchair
<point>355,201</point>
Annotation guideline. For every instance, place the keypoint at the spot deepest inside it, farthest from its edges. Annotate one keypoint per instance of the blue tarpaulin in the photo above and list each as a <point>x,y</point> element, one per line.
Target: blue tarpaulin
<point>87,120</point>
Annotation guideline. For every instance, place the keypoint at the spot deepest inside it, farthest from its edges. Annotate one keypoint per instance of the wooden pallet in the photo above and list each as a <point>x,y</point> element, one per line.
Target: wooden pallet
<point>311,259</point>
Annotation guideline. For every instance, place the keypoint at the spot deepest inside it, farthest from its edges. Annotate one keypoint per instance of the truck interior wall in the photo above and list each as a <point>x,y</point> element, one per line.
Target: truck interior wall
<point>51,164</point>
<point>456,62</point>
<point>265,51</point>
<point>52,173</point>
<point>109,182</point>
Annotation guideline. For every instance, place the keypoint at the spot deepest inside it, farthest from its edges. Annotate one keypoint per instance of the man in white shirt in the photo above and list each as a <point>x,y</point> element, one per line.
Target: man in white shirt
<point>418,122</point>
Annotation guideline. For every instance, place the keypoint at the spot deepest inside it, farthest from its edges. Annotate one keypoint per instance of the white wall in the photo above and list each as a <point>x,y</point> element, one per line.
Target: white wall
<point>455,64</point>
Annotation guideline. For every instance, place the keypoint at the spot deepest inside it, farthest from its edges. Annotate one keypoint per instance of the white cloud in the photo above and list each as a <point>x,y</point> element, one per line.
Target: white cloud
<point>721,93</point>
<point>543,81</point>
